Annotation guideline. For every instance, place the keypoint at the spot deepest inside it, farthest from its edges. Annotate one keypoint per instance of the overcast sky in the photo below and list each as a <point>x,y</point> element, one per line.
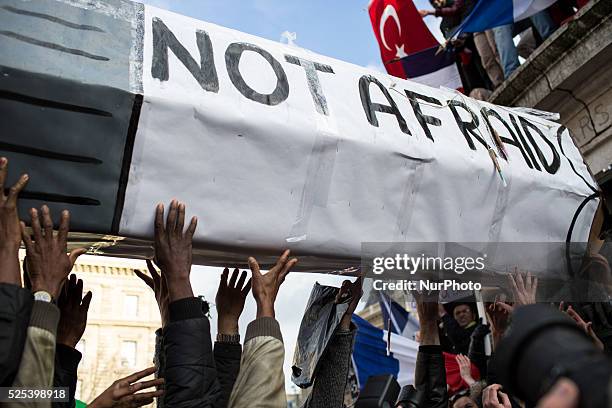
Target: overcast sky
<point>340,29</point>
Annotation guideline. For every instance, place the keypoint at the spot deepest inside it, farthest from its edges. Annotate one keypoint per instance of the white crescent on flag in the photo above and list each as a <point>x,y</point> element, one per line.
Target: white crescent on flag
<point>389,11</point>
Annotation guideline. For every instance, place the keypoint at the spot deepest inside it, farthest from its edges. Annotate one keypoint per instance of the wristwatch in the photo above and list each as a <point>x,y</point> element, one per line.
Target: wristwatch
<point>43,296</point>
<point>228,338</point>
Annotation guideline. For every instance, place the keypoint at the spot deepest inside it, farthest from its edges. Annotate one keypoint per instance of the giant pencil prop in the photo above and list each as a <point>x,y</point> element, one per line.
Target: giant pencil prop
<point>113,106</point>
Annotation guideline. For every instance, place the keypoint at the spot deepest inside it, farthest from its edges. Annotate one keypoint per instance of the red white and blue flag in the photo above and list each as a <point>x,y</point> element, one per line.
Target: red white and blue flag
<point>487,14</point>
<point>407,48</point>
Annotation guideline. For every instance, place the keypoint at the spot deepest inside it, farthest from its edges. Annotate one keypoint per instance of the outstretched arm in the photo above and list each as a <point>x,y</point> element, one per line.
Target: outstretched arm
<point>228,351</point>
<point>73,320</point>
<point>264,351</point>
<point>190,374</point>
<point>430,374</point>
<point>332,373</point>
<point>15,301</point>
<point>48,265</point>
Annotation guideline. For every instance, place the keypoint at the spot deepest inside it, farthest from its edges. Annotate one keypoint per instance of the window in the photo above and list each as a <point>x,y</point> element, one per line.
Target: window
<point>80,346</point>
<point>130,305</point>
<point>128,353</point>
<point>79,386</point>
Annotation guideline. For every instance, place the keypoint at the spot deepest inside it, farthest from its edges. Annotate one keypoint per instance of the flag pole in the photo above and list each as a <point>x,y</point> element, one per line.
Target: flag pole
<point>389,336</point>
<point>482,313</point>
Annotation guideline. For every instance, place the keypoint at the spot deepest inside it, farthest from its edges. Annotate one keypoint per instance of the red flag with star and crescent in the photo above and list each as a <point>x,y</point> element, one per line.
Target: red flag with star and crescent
<point>407,48</point>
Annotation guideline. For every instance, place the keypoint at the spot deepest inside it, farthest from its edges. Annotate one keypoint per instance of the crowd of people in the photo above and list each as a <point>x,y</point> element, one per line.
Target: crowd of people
<point>486,59</point>
<point>43,314</point>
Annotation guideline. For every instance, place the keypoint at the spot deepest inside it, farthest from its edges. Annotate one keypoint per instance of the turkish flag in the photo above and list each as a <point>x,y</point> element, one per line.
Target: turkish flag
<point>400,31</point>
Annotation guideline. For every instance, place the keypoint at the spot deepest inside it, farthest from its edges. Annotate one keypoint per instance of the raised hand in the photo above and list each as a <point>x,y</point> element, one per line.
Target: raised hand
<point>428,311</point>
<point>493,397</point>
<point>586,327</point>
<point>351,292</point>
<point>230,301</point>
<point>48,263</point>
<point>498,314</point>
<point>160,288</point>
<point>173,249</point>
<point>265,287</point>
<point>73,307</point>
<point>10,235</point>
<point>123,392</point>
<point>563,394</point>
<point>465,369</point>
<point>524,288</point>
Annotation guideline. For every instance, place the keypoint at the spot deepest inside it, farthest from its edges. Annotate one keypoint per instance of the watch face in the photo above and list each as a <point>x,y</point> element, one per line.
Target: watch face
<point>42,296</point>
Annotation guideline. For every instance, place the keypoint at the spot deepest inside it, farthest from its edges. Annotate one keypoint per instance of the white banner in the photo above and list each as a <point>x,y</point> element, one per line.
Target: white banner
<point>273,146</point>
<point>276,147</point>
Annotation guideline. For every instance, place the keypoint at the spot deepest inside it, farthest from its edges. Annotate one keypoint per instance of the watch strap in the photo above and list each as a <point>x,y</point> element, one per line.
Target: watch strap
<point>228,338</point>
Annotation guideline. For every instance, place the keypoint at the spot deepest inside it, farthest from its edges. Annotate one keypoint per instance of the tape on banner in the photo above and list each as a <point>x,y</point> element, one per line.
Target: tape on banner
<point>501,203</point>
<point>411,190</point>
<point>317,184</point>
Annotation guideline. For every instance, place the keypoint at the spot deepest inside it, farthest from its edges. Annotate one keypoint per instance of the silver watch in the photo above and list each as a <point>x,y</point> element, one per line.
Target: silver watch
<point>43,296</point>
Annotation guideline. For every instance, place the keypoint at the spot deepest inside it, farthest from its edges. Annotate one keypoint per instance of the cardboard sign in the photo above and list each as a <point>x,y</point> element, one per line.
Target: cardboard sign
<point>113,106</point>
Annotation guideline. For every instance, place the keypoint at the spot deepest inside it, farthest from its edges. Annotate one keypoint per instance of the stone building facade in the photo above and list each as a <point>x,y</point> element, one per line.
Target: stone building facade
<point>123,316</point>
<point>571,73</point>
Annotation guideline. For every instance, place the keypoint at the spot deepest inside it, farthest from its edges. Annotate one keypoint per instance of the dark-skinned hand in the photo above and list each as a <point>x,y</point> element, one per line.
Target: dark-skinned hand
<point>230,301</point>
<point>265,287</point>
<point>157,283</point>
<point>351,292</point>
<point>48,263</point>
<point>10,234</point>
<point>73,307</point>
<point>173,249</point>
<point>123,392</point>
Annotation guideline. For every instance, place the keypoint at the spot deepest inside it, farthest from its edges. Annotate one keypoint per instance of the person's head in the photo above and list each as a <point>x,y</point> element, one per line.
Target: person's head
<point>464,402</point>
<point>463,314</point>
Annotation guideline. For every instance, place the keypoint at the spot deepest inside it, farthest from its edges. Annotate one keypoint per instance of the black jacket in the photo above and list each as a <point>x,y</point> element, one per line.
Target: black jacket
<point>459,337</point>
<point>15,309</point>
<point>476,352</point>
<point>186,360</point>
<point>67,362</point>
<point>430,377</point>
<point>227,359</point>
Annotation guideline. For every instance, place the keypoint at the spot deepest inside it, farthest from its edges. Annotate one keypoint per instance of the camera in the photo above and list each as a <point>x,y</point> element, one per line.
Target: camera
<point>543,345</point>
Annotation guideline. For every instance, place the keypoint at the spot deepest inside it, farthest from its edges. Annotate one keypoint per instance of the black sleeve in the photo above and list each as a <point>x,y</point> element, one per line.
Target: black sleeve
<point>159,361</point>
<point>227,360</point>
<point>190,373</point>
<point>332,372</point>
<point>476,352</point>
<point>15,309</point>
<point>430,376</point>
<point>65,373</point>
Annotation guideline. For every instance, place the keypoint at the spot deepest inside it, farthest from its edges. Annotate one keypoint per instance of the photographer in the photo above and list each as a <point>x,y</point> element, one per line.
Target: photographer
<point>546,359</point>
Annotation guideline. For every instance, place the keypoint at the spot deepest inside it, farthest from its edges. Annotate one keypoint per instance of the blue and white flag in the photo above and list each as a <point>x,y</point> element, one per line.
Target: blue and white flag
<point>493,13</point>
<point>397,319</point>
<point>370,354</point>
